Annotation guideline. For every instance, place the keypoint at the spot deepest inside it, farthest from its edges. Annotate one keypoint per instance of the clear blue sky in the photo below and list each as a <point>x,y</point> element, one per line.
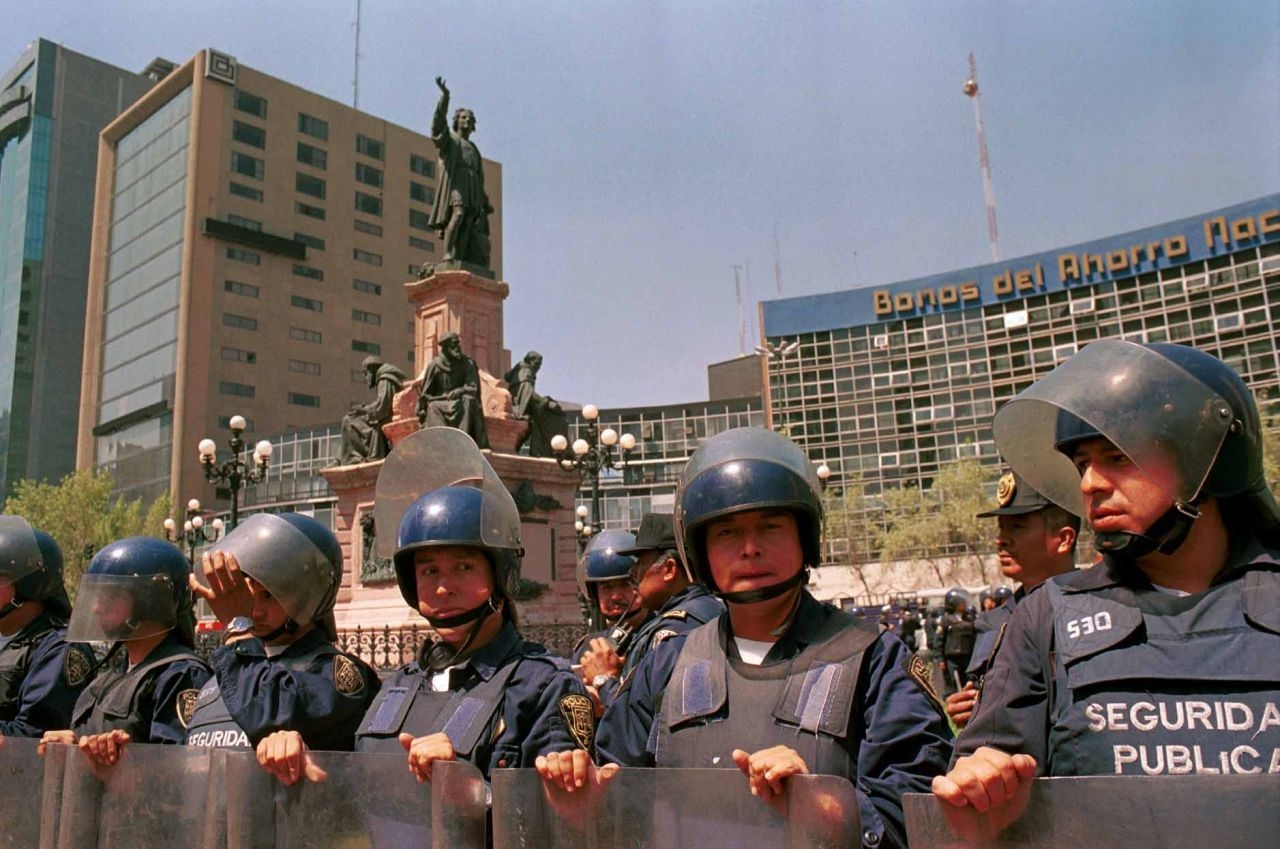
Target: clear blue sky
<point>650,146</point>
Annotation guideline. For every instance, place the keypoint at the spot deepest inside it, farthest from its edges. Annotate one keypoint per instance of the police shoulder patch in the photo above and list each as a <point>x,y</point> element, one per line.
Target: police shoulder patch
<point>918,671</point>
<point>186,705</point>
<point>660,636</point>
<point>682,615</point>
<point>77,665</point>
<point>346,676</point>
<point>580,717</point>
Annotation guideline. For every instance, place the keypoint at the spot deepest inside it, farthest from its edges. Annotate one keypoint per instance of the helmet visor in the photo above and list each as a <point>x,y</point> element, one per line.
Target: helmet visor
<point>122,607</point>
<point>281,558</point>
<point>19,550</point>
<point>437,457</point>
<point>1165,420</point>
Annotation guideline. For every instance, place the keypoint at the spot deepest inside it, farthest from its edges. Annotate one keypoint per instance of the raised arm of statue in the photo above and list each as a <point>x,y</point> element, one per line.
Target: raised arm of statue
<point>440,120</point>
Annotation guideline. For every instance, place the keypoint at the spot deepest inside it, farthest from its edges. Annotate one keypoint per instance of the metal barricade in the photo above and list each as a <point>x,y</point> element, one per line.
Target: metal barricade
<point>1240,811</point>
<point>673,809</point>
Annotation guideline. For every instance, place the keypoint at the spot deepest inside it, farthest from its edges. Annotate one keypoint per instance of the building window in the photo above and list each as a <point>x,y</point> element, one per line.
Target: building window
<point>240,390</point>
<point>422,165</point>
<point>365,347</point>
<point>308,271</point>
<point>306,303</point>
<point>366,317</point>
<point>249,166</point>
<point>421,244</point>
<point>241,190</point>
<point>419,220</point>
<point>369,147</point>
<point>225,422</point>
<point>368,204</point>
<point>366,256</point>
<point>304,335</point>
<point>246,223</point>
<point>312,126</point>
<point>299,399</point>
<point>248,134</point>
<point>368,175</point>
<point>368,227</point>
<point>242,322</point>
<point>310,241</point>
<point>308,185</point>
<point>313,156</point>
<point>308,210</point>
<point>239,355</point>
<point>421,193</point>
<point>365,286</point>
<point>241,255</point>
<point>235,287</point>
<point>251,103</point>
<point>304,367</point>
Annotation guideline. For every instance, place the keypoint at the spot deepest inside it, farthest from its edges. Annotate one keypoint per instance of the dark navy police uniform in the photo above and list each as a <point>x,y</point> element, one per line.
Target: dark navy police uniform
<point>41,676</point>
<point>311,687</point>
<point>1127,680</point>
<point>986,640</point>
<point>508,703</point>
<point>876,722</point>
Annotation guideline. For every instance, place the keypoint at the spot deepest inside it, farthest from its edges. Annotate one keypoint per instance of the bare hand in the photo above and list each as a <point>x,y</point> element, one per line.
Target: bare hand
<point>227,592</point>
<point>440,82</point>
<point>572,769</point>
<point>985,779</point>
<point>767,768</point>
<point>961,704</point>
<point>425,751</point>
<point>600,659</point>
<point>66,737</point>
<point>104,749</point>
<point>285,755</point>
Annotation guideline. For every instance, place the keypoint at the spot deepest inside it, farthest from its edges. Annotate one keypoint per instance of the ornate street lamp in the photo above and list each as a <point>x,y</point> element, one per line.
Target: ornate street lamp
<point>195,532</point>
<point>235,473</point>
<point>596,451</point>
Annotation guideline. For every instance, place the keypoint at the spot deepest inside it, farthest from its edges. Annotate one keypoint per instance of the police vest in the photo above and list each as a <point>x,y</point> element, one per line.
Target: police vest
<point>713,705</point>
<point>119,699</point>
<point>1194,688</point>
<point>957,638</point>
<point>15,660</point>
<point>408,704</point>
<point>211,724</point>
<point>986,641</point>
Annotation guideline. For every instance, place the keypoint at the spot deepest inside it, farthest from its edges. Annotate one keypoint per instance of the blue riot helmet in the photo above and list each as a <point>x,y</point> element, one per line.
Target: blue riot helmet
<point>134,588</point>
<point>747,469</point>
<point>1170,409</point>
<point>983,596</point>
<point>1002,594</point>
<point>956,600</point>
<point>31,562</point>
<point>295,558</point>
<point>603,561</point>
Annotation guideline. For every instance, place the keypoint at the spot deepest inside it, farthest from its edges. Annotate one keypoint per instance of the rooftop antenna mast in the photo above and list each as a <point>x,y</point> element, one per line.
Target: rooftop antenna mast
<point>777,259</point>
<point>971,90</point>
<point>742,319</point>
<point>355,80</point>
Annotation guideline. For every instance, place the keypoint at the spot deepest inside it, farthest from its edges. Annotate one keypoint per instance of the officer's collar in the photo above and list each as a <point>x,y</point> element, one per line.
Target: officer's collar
<point>805,625</point>
<point>684,595</point>
<point>1247,552</point>
<point>493,655</point>
<point>305,643</point>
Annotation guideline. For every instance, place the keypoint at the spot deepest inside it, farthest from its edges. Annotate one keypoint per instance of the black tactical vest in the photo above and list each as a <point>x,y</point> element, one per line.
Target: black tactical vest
<point>1147,684</point>
<point>713,705</point>
<point>15,660</point>
<point>212,725</point>
<point>120,699</point>
<point>957,638</point>
<point>985,642</point>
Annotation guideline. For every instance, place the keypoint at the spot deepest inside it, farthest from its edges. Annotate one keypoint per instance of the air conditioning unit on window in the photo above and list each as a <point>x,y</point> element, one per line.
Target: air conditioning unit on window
<point>880,341</point>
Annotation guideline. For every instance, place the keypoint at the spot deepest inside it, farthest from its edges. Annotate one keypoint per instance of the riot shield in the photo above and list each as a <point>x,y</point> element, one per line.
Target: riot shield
<point>1240,811</point>
<point>152,796</point>
<point>674,809</point>
<point>55,764</point>
<point>363,800</point>
<point>21,769</point>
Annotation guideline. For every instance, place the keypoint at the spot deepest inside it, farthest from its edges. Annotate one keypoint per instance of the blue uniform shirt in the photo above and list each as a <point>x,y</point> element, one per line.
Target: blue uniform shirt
<point>43,676</point>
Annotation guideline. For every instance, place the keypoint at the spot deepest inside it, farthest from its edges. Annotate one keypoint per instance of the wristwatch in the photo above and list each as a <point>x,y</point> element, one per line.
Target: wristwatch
<point>600,680</point>
<point>238,627</point>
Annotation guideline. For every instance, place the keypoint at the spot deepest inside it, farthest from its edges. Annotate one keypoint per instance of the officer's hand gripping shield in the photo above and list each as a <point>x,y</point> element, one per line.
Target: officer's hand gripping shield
<point>1161,417</point>
<point>433,458</point>
<point>281,558</point>
<point>674,809</point>
<point>20,554</point>
<point>122,607</point>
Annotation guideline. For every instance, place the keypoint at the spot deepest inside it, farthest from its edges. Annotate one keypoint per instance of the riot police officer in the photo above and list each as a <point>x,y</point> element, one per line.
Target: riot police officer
<point>1036,541</point>
<point>1161,659</point>
<point>604,579</point>
<point>958,635</point>
<point>135,594</point>
<point>273,582</point>
<point>478,692</point>
<point>911,625</point>
<point>41,674</point>
<point>733,692</point>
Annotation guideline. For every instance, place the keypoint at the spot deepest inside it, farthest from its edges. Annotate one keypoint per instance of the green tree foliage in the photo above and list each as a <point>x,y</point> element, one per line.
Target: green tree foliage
<point>849,530</point>
<point>81,514</point>
<point>938,526</point>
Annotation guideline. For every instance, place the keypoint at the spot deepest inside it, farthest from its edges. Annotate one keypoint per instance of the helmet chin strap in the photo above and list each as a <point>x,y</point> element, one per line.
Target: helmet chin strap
<point>1165,535</point>
<point>765,593</point>
<point>289,627</point>
<point>10,607</point>
<point>440,655</point>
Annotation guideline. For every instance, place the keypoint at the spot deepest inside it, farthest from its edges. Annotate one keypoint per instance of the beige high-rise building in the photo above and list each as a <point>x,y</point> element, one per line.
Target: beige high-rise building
<point>250,244</point>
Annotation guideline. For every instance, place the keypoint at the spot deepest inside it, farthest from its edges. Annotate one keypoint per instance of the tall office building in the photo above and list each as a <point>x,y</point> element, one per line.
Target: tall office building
<point>888,383</point>
<point>53,103</point>
<point>251,240</point>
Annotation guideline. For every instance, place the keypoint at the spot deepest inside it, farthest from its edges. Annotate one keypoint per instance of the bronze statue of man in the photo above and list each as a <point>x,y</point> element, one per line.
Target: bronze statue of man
<point>461,210</point>
<point>449,394</point>
<point>544,415</point>
<point>362,436</point>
